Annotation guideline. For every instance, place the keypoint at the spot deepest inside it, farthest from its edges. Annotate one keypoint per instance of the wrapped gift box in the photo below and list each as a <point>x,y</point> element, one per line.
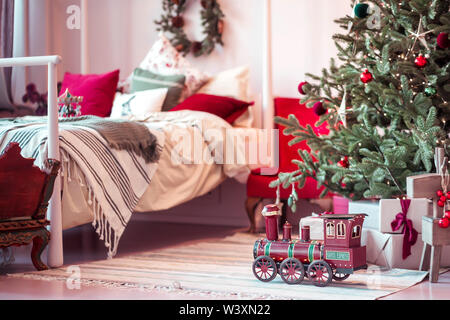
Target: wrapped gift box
<point>316,227</point>
<point>380,213</point>
<point>391,207</point>
<point>386,250</point>
<point>369,207</point>
<point>340,205</point>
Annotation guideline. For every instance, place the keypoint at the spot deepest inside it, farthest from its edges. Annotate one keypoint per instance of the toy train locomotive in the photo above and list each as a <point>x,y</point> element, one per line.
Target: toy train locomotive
<point>329,248</point>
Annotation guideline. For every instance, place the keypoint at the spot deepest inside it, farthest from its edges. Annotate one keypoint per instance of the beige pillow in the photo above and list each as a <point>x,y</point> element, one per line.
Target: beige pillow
<point>230,83</point>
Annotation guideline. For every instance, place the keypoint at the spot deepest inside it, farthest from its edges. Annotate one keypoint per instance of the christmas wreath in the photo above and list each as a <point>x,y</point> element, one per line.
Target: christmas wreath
<point>212,20</point>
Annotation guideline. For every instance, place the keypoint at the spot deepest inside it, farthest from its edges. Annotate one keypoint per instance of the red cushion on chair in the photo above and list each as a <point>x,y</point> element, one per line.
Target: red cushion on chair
<point>98,91</point>
<point>258,187</point>
<point>257,184</point>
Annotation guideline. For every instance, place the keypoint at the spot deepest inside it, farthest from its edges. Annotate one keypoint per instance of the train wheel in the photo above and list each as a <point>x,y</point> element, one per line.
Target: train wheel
<point>320,273</point>
<point>292,271</point>
<point>265,269</point>
<point>339,276</point>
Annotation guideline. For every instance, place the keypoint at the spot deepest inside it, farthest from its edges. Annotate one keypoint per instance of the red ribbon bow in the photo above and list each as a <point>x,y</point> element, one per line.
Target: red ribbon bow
<point>410,234</point>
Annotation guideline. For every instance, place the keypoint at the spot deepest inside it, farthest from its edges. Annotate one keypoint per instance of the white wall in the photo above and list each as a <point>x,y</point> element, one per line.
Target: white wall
<point>122,31</point>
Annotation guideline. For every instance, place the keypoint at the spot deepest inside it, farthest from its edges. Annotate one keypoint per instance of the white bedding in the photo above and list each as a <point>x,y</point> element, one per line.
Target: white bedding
<point>173,183</point>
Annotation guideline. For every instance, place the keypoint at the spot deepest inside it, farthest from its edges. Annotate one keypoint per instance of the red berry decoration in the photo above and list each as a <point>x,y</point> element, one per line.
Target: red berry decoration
<point>421,61</point>
<point>443,199</point>
<point>344,163</point>
<point>319,109</point>
<point>440,193</point>
<point>448,195</point>
<point>300,87</point>
<point>444,223</point>
<point>178,22</point>
<point>442,40</point>
<point>447,214</point>
<point>366,76</point>
<point>441,203</point>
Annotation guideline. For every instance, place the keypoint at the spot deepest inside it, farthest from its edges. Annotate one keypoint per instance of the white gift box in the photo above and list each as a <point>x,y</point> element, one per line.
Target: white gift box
<point>369,207</point>
<point>386,250</point>
<point>315,225</point>
<point>391,207</point>
<point>380,213</point>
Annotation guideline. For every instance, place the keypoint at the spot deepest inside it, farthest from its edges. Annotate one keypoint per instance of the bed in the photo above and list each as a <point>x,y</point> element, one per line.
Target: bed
<point>104,186</point>
<point>173,184</point>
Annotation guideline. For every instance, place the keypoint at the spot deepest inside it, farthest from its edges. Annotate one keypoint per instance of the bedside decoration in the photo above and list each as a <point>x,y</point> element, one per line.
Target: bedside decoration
<point>211,19</point>
<point>69,105</point>
<point>34,97</point>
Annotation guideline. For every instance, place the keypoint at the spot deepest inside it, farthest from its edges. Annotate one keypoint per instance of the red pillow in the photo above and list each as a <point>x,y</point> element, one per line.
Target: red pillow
<point>227,108</point>
<point>98,91</point>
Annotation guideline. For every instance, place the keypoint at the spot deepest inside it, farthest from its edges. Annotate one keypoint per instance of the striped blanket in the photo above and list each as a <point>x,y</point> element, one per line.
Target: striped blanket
<point>116,179</point>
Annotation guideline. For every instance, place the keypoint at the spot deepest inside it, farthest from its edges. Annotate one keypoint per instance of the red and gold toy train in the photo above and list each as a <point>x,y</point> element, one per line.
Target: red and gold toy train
<point>329,248</point>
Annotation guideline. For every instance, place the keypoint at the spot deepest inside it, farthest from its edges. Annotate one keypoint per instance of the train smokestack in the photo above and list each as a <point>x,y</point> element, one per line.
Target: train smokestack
<point>271,213</point>
<point>305,233</point>
<point>287,231</point>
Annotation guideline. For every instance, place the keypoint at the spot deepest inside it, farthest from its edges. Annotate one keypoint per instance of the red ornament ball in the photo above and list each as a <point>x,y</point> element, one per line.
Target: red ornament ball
<point>447,214</point>
<point>366,76</point>
<point>448,195</point>
<point>441,203</point>
<point>442,40</point>
<point>319,109</point>
<point>440,193</point>
<point>300,87</point>
<point>178,22</point>
<point>344,163</point>
<point>421,61</point>
<point>444,223</point>
<point>443,198</point>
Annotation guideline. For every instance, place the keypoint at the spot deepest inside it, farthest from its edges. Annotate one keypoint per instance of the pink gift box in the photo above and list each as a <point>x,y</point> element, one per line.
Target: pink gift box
<point>340,205</point>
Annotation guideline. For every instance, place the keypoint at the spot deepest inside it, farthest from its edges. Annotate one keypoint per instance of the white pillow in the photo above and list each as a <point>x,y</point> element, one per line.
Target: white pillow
<point>232,83</point>
<point>164,59</point>
<point>138,104</point>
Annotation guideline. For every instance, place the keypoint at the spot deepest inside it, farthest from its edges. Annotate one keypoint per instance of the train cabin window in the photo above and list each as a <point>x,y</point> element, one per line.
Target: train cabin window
<point>341,230</point>
<point>330,230</point>
<point>356,233</point>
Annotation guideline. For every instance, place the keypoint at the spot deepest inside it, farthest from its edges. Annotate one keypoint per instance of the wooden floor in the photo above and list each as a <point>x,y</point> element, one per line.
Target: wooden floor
<point>81,245</point>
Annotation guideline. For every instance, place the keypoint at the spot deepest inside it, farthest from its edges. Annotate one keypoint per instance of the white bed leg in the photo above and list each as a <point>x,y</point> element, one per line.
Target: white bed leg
<point>55,256</point>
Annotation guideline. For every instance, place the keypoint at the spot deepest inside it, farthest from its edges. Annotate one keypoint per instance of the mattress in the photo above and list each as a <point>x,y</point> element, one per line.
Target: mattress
<point>178,178</point>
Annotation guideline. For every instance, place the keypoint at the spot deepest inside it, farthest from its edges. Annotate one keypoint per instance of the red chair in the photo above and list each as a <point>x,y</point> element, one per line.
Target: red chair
<point>258,185</point>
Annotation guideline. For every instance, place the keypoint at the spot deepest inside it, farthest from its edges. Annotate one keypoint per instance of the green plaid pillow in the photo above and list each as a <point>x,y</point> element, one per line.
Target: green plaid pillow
<point>145,80</point>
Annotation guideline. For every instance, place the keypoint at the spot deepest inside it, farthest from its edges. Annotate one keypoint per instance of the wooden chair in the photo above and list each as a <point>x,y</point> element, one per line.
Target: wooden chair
<point>25,191</point>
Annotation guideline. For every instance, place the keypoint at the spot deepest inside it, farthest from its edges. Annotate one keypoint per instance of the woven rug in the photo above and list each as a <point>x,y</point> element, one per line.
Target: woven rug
<point>222,269</point>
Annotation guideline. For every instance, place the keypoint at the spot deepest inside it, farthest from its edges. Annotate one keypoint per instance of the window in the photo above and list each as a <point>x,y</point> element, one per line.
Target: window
<point>341,230</point>
<point>330,230</point>
<point>356,233</point>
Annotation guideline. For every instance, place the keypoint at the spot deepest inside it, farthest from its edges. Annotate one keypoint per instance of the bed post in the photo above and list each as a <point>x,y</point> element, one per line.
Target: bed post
<point>267,102</point>
<point>85,66</point>
<point>55,250</point>
<point>55,253</point>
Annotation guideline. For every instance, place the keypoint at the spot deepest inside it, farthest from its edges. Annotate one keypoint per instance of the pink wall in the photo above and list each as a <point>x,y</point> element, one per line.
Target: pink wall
<point>122,31</point>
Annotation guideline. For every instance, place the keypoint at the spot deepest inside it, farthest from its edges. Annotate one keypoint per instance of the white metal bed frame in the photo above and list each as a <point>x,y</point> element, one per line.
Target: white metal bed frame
<point>55,257</point>
<point>55,250</point>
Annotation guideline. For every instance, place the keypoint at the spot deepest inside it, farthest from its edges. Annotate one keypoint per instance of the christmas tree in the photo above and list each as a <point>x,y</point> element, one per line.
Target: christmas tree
<point>385,101</point>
